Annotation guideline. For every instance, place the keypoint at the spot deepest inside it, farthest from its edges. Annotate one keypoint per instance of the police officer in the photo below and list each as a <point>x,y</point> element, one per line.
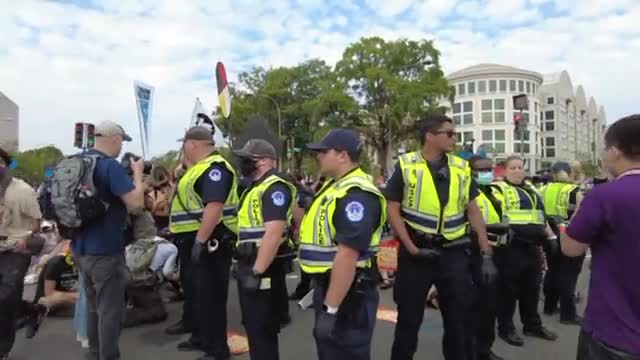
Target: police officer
<point>491,206</point>
<point>431,206</point>
<point>520,261</point>
<point>561,197</point>
<point>203,216</point>
<point>339,237</point>
<point>264,215</point>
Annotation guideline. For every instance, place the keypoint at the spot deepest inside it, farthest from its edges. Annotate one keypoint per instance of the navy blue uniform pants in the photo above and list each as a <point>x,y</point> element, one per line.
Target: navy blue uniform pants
<point>452,275</point>
<point>353,330</point>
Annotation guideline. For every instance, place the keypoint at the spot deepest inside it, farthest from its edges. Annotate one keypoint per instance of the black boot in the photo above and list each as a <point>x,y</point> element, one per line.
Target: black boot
<point>177,329</point>
<point>541,333</point>
<point>512,338</point>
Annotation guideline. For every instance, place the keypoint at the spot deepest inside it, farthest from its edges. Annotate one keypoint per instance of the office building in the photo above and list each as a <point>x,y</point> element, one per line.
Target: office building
<point>9,123</point>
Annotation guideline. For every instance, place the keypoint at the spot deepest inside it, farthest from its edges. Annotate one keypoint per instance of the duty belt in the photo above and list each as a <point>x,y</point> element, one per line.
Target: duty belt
<point>428,241</point>
<point>497,240</point>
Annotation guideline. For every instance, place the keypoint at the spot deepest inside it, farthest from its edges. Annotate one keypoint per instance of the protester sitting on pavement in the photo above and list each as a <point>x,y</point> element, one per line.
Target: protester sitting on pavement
<point>58,285</point>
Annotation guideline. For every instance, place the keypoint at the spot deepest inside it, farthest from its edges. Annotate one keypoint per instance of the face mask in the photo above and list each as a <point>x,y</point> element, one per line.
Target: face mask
<point>485,178</point>
<point>247,167</point>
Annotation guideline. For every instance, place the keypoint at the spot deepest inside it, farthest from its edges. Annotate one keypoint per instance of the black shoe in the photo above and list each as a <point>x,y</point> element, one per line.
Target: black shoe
<point>577,321</point>
<point>512,339</point>
<point>177,329</point>
<point>36,318</point>
<point>285,321</point>
<point>190,345</point>
<point>541,333</point>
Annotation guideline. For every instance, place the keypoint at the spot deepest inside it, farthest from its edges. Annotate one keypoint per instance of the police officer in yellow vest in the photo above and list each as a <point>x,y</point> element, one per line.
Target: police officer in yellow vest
<point>264,216</point>
<point>339,237</point>
<point>561,197</point>
<point>520,261</point>
<point>491,206</point>
<point>431,208</point>
<point>203,218</point>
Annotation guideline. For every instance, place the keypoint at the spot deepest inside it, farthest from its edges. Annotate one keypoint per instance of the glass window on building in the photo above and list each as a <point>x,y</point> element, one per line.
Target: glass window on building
<point>493,85</point>
<point>461,89</point>
<point>528,87</point>
<point>516,134</point>
<point>503,85</point>
<point>487,104</point>
<point>550,100</point>
<point>512,85</point>
<point>517,148</point>
<point>487,135</point>
<point>521,86</point>
<point>467,119</point>
<point>549,126</point>
<point>467,136</point>
<point>482,86</point>
<point>463,113</point>
<point>551,153</point>
<point>499,135</point>
<point>467,106</point>
<point>550,115</point>
<point>534,88</point>
<point>498,104</point>
<point>471,87</point>
<point>550,141</point>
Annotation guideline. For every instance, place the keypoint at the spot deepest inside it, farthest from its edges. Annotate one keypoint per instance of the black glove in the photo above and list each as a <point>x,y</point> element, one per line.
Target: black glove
<point>197,250</point>
<point>248,279</point>
<point>323,329</point>
<point>428,254</point>
<point>488,270</point>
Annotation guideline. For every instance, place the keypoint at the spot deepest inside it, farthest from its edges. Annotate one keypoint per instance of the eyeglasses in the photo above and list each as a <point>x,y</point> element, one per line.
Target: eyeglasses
<point>449,133</point>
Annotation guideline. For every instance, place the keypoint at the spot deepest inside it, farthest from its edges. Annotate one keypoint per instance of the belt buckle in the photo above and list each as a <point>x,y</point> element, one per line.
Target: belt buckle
<point>213,245</point>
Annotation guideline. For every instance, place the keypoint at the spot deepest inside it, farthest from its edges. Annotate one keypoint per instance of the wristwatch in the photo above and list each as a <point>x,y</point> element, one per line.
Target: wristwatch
<point>329,309</point>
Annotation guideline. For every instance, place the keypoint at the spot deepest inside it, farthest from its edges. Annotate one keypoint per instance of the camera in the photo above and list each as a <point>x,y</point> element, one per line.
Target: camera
<point>126,162</point>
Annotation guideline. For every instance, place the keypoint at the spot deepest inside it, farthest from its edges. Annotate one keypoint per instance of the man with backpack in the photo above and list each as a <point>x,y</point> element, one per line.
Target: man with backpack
<point>91,195</point>
<point>19,220</point>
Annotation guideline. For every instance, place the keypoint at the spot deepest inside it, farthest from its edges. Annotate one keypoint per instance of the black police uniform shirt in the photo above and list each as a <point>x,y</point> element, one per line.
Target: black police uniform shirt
<point>440,173</point>
<point>214,186</point>
<point>356,218</point>
<point>57,269</point>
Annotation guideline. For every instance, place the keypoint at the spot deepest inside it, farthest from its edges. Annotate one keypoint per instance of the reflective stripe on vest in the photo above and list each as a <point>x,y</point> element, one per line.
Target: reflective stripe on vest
<point>520,206</point>
<point>250,221</point>
<point>317,232</point>
<point>556,198</point>
<point>421,208</point>
<point>187,207</point>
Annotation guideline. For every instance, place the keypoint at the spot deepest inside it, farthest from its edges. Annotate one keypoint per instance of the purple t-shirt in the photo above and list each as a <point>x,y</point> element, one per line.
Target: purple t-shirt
<point>609,222</point>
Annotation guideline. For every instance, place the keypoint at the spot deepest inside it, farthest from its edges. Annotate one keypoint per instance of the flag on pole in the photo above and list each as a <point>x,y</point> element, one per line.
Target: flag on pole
<point>224,97</point>
<point>144,105</point>
<point>206,121</point>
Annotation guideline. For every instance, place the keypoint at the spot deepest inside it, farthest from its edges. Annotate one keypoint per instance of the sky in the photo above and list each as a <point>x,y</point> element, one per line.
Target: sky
<point>68,61</point>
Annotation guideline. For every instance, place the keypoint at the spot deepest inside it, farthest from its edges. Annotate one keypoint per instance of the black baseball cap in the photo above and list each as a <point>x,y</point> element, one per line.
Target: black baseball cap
<point>561,166</point>
<point>198,133</point>
<point>340,140</point>
<point>257,148</point>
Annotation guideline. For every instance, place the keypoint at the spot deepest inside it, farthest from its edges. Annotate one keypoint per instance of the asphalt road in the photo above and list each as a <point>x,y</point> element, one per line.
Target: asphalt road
<point>56,339</point>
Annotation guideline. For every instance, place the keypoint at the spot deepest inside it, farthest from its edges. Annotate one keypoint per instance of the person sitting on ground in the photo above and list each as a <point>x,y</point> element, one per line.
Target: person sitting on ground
<point>58,285</point>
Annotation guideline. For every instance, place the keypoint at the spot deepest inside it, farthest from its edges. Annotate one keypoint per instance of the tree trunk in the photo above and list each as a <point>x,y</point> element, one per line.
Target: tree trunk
<point>383,153</point>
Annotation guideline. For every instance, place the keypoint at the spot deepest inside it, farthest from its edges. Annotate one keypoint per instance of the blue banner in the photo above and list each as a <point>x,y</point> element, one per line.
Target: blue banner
<point>144,104</point>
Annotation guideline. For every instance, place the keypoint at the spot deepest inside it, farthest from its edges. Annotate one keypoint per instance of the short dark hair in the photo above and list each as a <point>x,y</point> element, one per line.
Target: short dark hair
<point>430,123</point>
<point>475,158</point>
<point>624,134</point>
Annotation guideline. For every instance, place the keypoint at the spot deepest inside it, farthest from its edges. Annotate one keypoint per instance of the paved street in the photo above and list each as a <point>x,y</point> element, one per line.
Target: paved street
<point>56,339</point>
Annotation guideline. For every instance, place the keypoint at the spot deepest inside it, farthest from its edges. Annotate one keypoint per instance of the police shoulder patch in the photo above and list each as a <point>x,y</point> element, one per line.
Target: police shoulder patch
<point>354,211</point>
<point>215,175</point>
<point>278,198</point>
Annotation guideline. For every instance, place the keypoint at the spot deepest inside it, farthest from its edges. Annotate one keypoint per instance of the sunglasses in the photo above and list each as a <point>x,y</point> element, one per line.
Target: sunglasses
<point>449,133</point>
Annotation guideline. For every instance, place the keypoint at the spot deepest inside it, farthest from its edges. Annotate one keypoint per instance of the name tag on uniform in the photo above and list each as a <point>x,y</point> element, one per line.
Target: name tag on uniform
<point>265,283</point>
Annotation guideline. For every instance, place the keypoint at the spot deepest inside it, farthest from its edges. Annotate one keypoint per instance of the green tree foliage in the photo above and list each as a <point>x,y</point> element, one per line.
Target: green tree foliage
<point>168,160</point>
<point>32,163</point>
<point>393,87</point>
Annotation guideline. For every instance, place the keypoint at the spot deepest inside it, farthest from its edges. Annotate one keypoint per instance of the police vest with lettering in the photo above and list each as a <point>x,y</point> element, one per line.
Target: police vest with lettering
<point>251,226</point>
<point>557,199</point>
<point>187,207</point>
<point>421,208</point>
<point>491,214</point>
<point>318,246</point>
<point>522,207</point>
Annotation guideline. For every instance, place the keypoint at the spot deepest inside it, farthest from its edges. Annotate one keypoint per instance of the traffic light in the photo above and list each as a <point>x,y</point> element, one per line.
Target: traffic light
<point>91,135</point>
<point>78,135</point>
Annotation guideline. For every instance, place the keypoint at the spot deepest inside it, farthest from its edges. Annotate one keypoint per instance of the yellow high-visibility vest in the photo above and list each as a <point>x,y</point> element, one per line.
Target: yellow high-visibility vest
<point>187,207</point>
<point>522,208</point>
<point>421,208</point>
<point>556,198</point>
<point>317,232</point>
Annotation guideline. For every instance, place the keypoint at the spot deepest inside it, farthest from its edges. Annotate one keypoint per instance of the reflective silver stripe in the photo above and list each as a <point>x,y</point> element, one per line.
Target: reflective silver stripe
<point>485,214</point>
<point>312,263</point>
<point>419,214</point>
<point>406,183</point>
<point>319,248</point>
<point>257,241</point>
<point>454,217</point>
<point>191,212</point>
<point>316,219</point>
<point>420,175</point>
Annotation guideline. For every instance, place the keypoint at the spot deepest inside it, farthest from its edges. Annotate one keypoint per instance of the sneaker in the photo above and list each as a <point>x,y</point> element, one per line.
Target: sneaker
<point>36,318</point>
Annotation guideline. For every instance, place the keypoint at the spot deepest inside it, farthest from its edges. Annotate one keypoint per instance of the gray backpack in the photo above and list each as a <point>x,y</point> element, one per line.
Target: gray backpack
<point>74,198</point>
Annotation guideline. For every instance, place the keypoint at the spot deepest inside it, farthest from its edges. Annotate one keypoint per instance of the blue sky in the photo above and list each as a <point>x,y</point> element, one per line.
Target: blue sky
<point>68,61</point>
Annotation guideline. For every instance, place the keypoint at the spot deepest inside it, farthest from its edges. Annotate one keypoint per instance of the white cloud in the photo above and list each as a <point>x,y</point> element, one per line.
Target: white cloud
<point>63,63</point>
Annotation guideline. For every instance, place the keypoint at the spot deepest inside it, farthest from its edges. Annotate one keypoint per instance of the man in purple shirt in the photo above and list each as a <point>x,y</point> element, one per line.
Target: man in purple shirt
<point>608,221</point>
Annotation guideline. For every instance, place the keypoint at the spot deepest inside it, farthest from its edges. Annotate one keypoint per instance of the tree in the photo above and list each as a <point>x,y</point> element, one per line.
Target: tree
<point>33,163</point>
<point>168,160</point>
<point>393,87</point>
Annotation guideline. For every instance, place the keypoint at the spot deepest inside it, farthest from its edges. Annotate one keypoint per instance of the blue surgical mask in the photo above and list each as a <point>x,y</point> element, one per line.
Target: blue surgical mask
<point>485,178</point>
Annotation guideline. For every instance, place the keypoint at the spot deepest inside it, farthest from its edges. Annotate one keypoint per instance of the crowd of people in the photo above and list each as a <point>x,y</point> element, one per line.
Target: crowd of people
<point>472,245</point>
